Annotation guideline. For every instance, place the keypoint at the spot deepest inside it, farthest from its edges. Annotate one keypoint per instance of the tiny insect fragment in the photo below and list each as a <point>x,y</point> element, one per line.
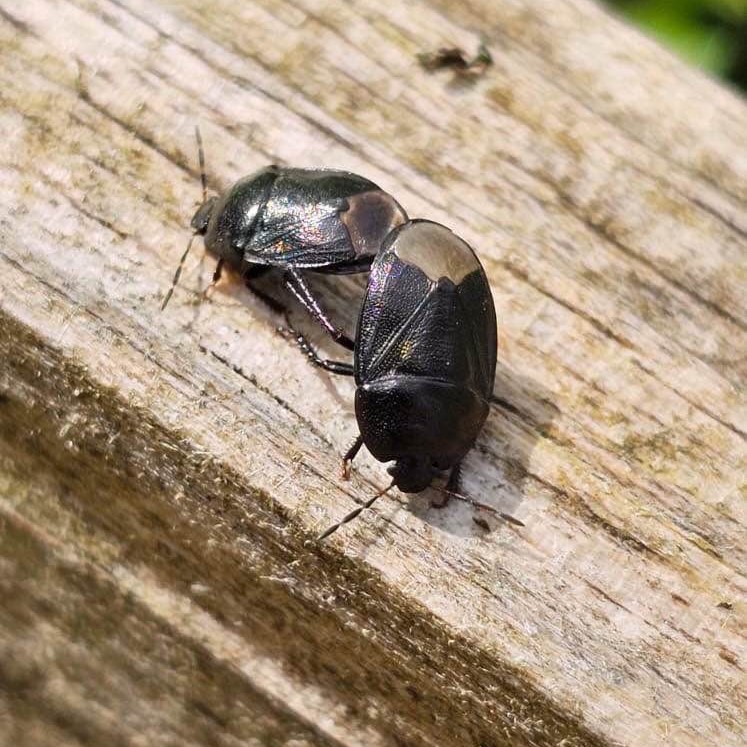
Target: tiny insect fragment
<point>456,59</point>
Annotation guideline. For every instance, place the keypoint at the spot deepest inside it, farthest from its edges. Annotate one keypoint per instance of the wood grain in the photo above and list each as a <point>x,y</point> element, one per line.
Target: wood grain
<point>163,474</point>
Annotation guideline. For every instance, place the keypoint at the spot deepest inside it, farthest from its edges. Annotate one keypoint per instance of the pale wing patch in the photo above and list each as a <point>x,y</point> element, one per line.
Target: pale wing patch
<point>370,217</point>
<point>436,251</point>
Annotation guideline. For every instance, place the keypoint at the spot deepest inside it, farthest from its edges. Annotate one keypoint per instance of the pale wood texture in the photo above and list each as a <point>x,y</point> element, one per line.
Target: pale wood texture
<point>163,474</point>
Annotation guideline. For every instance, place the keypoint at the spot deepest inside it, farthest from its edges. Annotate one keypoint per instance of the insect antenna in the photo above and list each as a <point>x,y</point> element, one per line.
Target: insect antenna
<point>201,157</point>
<point>178,272</point>
<point>203,182</point>
<point>506,517</point>
<point>355,512</point>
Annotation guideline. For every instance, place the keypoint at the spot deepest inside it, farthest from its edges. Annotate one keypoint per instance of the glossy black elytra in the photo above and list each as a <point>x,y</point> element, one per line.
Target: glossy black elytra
<point>297,219</point>
<point>424,359</point>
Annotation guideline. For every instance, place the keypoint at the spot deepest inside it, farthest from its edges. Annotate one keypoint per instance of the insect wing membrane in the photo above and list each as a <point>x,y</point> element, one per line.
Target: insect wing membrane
<point>415,325</point>
<point>395,298</point>
<point>300,223</point>
<point>478,314</point>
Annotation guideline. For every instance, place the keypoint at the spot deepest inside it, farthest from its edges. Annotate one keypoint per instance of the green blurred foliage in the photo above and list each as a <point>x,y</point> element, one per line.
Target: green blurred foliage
<point>709,33</point>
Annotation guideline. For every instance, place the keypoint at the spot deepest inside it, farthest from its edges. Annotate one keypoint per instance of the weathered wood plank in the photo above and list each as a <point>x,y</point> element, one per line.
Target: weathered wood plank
<point>162,473</point>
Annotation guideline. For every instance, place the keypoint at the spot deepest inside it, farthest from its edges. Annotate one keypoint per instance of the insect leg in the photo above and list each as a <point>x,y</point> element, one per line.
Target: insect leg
<point>452,486</point>
<point>350,454</point>
<point>216,277</point>
<point>298,287</point>
<point>337,367</point>
<point>455,478</point>
<point>255,271</point>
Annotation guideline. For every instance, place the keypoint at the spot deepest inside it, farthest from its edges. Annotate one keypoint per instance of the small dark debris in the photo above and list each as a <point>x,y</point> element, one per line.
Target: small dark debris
<point>456,59</point>
<point>725,605</point>
<point>413,692</point>
<point>481,523</point>
<point>678,598</point>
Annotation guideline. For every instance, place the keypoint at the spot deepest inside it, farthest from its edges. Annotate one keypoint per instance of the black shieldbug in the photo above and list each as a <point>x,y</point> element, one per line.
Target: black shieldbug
<point>425,357</point>
<point>425,353</point>
<point>297,219</point>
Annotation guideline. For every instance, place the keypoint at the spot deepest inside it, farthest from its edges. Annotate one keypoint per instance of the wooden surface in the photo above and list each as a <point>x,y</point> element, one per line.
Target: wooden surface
<point>162,475</point>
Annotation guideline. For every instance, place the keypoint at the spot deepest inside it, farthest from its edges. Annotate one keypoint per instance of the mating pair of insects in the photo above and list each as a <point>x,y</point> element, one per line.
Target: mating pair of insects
<point>424,354</point>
